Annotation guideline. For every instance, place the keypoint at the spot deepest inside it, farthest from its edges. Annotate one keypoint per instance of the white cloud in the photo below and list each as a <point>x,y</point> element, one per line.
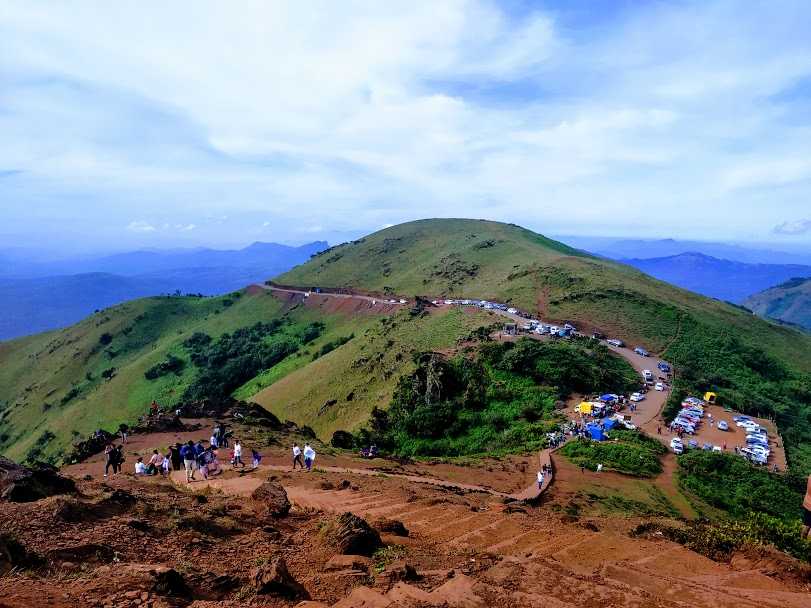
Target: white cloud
<point>356,116</point>
<point>140,226</point>
<point>794,227</point>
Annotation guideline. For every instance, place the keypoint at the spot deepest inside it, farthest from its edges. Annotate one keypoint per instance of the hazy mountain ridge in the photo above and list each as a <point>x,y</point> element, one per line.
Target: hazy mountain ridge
<point>723,279</point>
<point>789,302</point>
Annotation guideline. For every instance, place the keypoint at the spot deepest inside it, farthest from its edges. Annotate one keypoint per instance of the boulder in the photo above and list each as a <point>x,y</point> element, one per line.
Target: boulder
<point>274,579</point>
<point>23,484</point>
<point>14,555</point>
<point>168,581</point>
<point>401,571</point>
<point>353,536</point>
<point>271,499</point>
<point>390,526</point>
<point>88,553</point>
<point>91,446</point>
<point>347,562</point>
<point>342,440</point>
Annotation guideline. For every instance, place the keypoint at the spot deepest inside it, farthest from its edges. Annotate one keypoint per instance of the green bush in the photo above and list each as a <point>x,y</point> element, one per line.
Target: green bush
<point>630,454</point>
<point>171,365</point>
<point>729,482</point>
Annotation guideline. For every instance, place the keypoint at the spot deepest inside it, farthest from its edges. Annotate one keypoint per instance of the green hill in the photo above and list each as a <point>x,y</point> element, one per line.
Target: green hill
<point>755,365</point>
<point>61,385</point>
<point>789,302</point>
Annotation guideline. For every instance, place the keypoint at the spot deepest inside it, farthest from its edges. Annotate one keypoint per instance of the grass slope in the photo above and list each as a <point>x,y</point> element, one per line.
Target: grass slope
<point>54,384</point>
<point>789,302</point>
<point>364,372</point>
<point>755,365</point>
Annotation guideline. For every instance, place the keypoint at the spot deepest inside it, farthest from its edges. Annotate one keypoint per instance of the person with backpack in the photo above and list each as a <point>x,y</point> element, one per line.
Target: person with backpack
<point>189,460</point>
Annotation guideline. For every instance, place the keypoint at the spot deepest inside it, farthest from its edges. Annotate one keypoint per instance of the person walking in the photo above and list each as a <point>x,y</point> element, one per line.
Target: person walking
<point>189,460</point>
<point>309,457</point>
<point>297,456</point>
<point>540,480</point>
<point>600,468</point>
<point>118,458</point>
<point>174,454</point>
<point>109,455</point>
<point>123,429</point>
<point>256,458</point>
<point>238,454</point>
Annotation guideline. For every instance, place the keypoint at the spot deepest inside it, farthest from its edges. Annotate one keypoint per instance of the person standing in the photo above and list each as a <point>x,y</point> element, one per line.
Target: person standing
<point>256,458</point>
<point>214,441</point>
<point>174,454</point>
<point>238,454</point>
<point>297,456</point>
<point>109,455</point>
<point>309,457</point>
<point>807,511</point>
<point>540,480</point>
<point>189,461</point>
<point>118,458</point>
<point>123,429</point>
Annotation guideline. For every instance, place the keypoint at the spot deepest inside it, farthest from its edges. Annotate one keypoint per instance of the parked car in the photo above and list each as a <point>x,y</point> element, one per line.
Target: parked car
<point>637,397</point>
<point>717,448</point>
<point>664,367</point>
<point>707,447</point>
<point>723,425</point>
<point>647,375</point>
<point>659,386</point>
<point>693,401</point>
<point>598,336</point>
<point>676,445</point>
<point>616,342</point>
<point>624,423</point>
<point>692,444</point>
<point>641,352</point>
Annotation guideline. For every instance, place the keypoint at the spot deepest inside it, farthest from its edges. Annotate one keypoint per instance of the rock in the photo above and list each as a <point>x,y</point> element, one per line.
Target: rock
<point>590,525</point>
<point>23,484</point>
<point>311,604</point>
<point>401,571</point>
<point>515,508</point>
<point>327,485</point>
<point>343,440</point>
<point>224,582</point>
<point>91,446</point>
<point>390,526</point>
<point>273,533</point>
<point>271,499</point>
<point>344,485</point>
<point>307,432</point>
<point>73,511</point>
<point>88,553</point>
<point>347,562</point>
<point>353,536</point>
<point>14,555</point>
<point>168,581</point>
<point>274,579</point>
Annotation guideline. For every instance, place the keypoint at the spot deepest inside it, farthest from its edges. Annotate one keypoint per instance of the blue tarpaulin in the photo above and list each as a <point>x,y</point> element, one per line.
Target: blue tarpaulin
<point>608,398</point>
<point>595,432</point>
<point>609,424</point>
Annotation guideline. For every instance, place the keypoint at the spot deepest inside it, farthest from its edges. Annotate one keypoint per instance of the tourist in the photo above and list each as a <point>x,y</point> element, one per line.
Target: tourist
<point>140,468</point>
<point>540,480</point>
<point>123,429</point>
<point>309,456</point>
<point>297,456</point>
<point>108,455</point>
<point>153,408</point>
<point>238,454</point>
<point>600,468</point>
<point>167,463</point>
<point>177,461</point>
<point>214,441</point>
<point>203,458</point>
<point>189,460</point>
<point>155,463</point>
<point>256,458</point>
<point>118,458</point>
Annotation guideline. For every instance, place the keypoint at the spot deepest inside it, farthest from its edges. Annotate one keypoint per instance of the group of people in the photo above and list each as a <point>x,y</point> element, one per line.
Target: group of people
<point>304,458</point>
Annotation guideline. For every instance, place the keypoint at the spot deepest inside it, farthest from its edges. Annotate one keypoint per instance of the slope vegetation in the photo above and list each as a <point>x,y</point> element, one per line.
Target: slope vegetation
<point>754,365</point>
<point>789,302</point>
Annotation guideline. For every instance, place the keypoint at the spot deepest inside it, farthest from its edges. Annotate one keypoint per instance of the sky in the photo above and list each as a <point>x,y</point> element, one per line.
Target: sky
<point>164,124</point>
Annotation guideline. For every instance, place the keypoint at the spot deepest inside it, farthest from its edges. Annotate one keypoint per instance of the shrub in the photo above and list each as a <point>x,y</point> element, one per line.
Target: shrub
<point>105,339</point>
<point>631,456</point>
<point>171,365</point>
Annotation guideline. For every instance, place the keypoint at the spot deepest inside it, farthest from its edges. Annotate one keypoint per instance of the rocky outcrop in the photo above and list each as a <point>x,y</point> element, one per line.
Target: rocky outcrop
<point>14,555</point>
<point>23,484</point>
<point>91,446</point>
<point>390,526</point>
<point>270,499</point>
<point>274,579</point>
<point>353,536</point>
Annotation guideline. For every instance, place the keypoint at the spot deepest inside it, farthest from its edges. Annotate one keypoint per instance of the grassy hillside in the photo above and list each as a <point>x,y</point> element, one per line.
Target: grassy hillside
<point>789,302</point>
<point>755,365</point>
<point>57,386</point>
<point>338,390</point>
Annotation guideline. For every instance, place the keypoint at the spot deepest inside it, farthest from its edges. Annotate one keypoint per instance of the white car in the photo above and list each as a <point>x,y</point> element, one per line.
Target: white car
<point>659,386</point>
<point>624,423</point>
<point>615,342</point>
<point>637,397</point>
<point>512,311</point>
<point>553,329</point>
<point>676,445</point>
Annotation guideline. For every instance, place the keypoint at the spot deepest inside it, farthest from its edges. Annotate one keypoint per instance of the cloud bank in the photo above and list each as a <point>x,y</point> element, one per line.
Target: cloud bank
<point>291,121</point>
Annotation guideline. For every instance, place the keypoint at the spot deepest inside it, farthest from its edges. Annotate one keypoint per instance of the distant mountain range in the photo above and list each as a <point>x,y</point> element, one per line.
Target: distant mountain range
<point>626,248</point>
<point>789,302</point>
<point>38,296</point>
<point>728,280</point>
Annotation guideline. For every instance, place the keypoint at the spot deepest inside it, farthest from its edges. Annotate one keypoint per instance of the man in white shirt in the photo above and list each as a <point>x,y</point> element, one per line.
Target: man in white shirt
<point>140,467</point>
<point>238,453</point>
<point>297,456</point>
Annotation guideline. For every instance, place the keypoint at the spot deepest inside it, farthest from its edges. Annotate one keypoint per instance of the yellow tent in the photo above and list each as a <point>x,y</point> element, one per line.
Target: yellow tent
<point>710,397</point>
<point>585,407</point>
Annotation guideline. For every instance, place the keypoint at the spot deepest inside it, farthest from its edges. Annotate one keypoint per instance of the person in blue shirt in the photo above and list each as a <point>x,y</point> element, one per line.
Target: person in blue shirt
<point>189,456</point>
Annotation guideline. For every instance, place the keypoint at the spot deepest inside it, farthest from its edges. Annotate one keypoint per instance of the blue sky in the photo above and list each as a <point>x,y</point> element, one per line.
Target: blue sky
<point>186,123</point>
